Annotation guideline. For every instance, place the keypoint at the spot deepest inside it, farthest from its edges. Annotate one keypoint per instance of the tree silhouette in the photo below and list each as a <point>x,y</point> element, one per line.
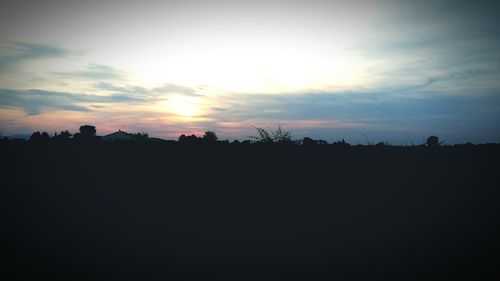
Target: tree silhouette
<point>65,134</point>
<point>37,136</point>
<point>62,136</point>
<point>210,136</point>
<point>87,131</point>
<point>308,141</point>
<point>188,139</point>
<point>141,136</point>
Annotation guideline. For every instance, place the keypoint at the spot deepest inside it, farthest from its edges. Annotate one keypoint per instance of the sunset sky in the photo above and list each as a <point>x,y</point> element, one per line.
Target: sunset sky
<point>392,70</point>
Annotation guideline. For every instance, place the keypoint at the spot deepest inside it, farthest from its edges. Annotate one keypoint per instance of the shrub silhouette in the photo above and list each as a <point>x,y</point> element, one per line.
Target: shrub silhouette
<point>341,143</point>
<point>182,138</point>
<point>279,136</point>
<point>263,137</point>
<point>307,141</point>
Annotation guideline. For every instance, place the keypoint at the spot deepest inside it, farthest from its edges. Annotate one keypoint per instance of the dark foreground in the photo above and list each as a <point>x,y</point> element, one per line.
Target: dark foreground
<point>181,212</point>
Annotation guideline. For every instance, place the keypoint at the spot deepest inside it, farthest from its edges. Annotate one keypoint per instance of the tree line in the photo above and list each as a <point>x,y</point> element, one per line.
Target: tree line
<point>88,133</point>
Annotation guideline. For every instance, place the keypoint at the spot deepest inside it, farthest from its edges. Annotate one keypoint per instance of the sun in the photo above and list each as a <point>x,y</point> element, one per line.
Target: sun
<point>183,107</point>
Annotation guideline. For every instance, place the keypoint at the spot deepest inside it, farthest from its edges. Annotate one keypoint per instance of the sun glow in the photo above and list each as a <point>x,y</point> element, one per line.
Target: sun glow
<point>183,106</point>
<point>253,67</point>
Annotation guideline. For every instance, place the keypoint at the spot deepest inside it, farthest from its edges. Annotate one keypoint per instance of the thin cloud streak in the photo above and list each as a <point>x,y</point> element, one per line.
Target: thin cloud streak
<point>95,72</point>
<point>35,101</point>
<point>13,54</point>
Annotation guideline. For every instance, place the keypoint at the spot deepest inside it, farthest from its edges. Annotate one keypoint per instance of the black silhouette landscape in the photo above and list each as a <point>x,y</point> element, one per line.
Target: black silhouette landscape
<point>79,207</point>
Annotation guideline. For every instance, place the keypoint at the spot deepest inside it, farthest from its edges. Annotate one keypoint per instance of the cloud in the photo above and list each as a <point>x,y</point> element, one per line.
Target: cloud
<point>95,72</point>
<point>166,89</point>
<point>34,101</point>
<point>443,46</point>
<point>117,89</point>
<point>383,114</point>
<point>178,89</point>
<point>15,53</point>
<point>476,19</point>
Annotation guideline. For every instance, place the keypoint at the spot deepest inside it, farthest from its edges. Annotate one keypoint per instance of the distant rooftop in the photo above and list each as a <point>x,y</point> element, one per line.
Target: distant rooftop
<point>119,135</point>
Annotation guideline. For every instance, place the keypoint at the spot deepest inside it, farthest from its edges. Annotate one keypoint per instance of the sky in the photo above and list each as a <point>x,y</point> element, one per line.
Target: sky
<point>395,71</point>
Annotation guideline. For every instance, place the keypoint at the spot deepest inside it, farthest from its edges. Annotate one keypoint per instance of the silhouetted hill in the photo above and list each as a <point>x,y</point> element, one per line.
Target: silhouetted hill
<point>181,211</point>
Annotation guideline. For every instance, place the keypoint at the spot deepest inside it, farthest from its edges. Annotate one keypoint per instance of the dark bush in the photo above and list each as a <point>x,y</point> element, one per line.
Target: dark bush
<point>432,141</point>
